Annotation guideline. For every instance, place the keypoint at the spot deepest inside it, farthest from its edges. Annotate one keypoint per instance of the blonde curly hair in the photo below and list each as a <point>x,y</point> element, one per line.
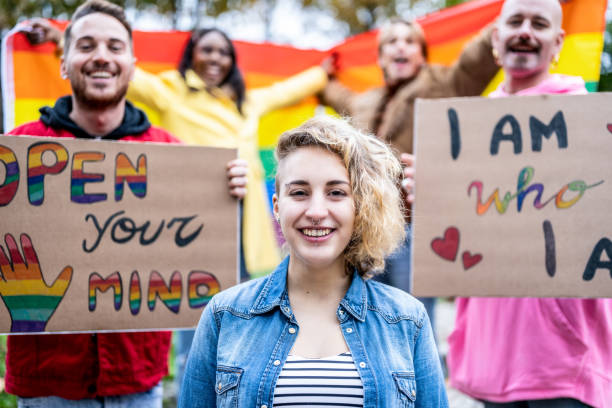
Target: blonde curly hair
<point>374,174</point>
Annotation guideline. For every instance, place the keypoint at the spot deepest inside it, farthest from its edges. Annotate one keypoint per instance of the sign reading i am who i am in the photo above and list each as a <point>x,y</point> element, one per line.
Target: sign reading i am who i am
<point>514,196</point>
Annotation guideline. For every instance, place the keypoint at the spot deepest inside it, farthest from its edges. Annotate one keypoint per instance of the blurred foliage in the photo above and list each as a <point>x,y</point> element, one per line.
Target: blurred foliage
<point>359,15</point>
<point>605,81</point>
<point>12,11</point>
<point>363,15</point>
<point>6,400</point>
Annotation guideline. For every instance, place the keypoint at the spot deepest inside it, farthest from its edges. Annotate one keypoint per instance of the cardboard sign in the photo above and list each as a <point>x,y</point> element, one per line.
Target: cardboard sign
<point>99,236</point>
<point>514,197</point>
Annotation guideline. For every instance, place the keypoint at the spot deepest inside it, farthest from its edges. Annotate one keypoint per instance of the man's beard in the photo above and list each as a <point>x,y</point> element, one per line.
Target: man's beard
<point>94,102</point>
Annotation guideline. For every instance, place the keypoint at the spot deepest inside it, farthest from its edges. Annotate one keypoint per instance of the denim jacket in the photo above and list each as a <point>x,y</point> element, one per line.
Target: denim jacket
<point>244,337</point>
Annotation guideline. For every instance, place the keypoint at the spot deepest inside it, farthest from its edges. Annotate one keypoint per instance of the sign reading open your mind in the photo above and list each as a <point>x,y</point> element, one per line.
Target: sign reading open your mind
<point>111,235</point>
<point>514,196</point>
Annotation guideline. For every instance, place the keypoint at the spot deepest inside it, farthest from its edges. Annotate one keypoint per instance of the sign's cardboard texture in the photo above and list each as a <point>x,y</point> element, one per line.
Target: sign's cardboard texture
<point>468,241</point>
<point>127,236</point>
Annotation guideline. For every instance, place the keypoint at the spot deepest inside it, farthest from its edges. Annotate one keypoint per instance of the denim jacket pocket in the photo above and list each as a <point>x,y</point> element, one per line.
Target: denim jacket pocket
<point>406,386</point>
<point>226,386</point>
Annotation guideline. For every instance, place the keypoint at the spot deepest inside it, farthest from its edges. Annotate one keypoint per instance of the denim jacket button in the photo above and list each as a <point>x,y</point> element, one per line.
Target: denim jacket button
<point>264,406</point>
<point>413,393</point>
<point>276,362</point>
<point>362,364</point>
<point>287,310</point>
<point>220,385</point>
<point>292,330</point>
<point>349,330</point>
<point>341,312</point>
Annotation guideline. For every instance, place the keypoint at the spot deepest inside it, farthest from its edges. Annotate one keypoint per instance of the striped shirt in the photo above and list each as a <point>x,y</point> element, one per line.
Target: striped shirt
<point>312,382</point>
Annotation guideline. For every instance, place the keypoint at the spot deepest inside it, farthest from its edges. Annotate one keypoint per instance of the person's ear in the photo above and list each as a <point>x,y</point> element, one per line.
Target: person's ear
<point>495,44</point>
<point>63,69</point>
<point>275,208</point>
<point>559,41</point>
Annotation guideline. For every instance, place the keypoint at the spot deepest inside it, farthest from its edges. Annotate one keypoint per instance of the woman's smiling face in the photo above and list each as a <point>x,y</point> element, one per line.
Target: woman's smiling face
<point>315,206</point>
<point>212,59</point>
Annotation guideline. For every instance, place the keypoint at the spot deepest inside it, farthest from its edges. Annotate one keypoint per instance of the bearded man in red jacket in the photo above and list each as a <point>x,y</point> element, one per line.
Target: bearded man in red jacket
<point>96,370</point>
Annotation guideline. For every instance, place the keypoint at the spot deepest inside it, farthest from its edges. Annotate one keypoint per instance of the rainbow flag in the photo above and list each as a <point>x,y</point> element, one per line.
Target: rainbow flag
<point>30,74</point>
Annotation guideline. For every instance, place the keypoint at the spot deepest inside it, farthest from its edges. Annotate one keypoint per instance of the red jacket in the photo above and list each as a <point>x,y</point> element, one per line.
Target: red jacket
<point>77,366</point>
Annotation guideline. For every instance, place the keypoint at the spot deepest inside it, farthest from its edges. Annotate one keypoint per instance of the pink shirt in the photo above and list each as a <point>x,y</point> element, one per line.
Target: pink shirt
<point>513,349</point>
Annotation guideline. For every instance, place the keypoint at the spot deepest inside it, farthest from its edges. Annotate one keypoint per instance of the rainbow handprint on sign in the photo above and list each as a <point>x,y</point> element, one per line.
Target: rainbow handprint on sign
<point>29,299</point>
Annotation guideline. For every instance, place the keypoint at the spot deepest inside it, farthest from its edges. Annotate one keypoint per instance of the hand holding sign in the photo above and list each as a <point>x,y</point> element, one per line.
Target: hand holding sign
<point>237,171</point>
<point>29,299</point>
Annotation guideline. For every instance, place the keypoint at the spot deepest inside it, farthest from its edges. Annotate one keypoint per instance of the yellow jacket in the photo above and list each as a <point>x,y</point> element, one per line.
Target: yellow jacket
<point>210,118</point>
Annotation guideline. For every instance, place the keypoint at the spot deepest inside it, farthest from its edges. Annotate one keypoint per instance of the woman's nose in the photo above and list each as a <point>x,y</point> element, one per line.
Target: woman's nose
<point>317,208</point>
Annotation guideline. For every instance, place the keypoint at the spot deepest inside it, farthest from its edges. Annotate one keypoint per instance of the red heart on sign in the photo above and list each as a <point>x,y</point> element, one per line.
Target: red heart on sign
<point>610,127</point>
<point>470,260</point>
<point>447,247</point>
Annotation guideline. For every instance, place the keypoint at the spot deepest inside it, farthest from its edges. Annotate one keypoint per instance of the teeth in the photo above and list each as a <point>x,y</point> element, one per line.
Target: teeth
<point>101,74</point>
<point>316,232</point>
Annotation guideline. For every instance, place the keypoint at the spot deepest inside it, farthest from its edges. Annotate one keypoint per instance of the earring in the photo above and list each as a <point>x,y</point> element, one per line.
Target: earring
<point>495,55</point>
<point>555,62</point>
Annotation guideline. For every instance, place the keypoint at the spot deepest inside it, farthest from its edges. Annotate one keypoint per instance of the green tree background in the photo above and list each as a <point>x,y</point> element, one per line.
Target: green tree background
<point>605,81</point>
<point>358,15</point>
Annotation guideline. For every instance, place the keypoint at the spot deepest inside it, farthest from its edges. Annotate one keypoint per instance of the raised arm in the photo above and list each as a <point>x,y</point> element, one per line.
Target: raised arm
<point>150,90</point>
<point>476,65</point>
<point>289,91</point>
<point>338,97</point>
<point>335,94</point>
<point>39,31</point>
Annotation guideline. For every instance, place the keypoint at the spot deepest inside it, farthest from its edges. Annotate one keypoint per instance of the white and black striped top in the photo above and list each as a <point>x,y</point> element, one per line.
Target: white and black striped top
<point>312,382</point>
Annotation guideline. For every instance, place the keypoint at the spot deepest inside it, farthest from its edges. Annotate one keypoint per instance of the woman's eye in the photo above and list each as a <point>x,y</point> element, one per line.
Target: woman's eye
<point>338,193</point>
<point>297,193</point>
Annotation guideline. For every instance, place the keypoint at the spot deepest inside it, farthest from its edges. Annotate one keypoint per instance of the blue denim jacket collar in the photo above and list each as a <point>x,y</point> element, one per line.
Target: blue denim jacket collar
<point>274,294</point>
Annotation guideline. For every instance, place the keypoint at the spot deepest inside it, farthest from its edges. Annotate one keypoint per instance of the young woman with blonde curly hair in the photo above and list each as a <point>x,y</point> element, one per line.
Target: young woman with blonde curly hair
<point>317,331</point>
